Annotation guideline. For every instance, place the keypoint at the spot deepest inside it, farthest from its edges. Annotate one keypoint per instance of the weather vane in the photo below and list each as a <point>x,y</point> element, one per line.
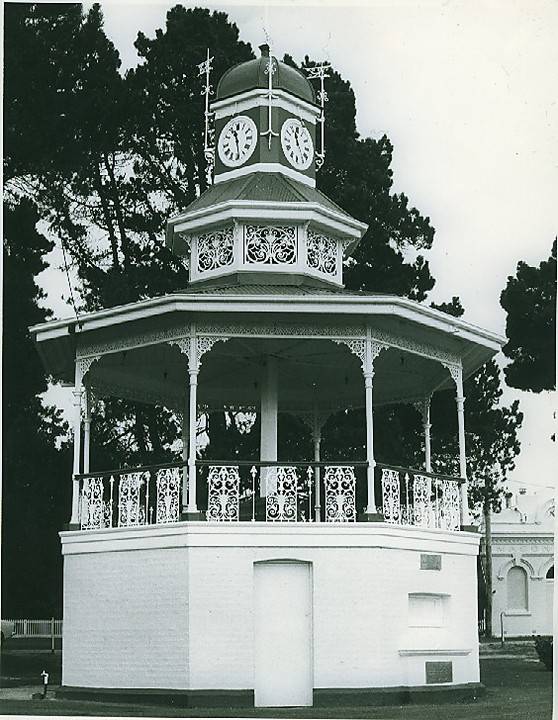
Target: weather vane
<point>205,68</point>
<point>321,72</point>
<point>270,69</point>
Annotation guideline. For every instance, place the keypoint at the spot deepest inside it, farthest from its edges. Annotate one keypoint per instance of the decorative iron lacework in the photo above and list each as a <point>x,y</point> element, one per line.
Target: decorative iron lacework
<point>130,509</point>
<point>450,516</point>
<point>430,502</point>
<point>321,253</point>
<point>268,245</point>
<point>391,496</point>
<point>149,337</point>
<point>339,485</point>
<point>281,329</point>
<point>281,501</point>
<point>455,371</point>
<point>95,513</point>
<point>357,347</point>
<point>83,364</point>
<point>422,494</point>
<point>168,495</point>
<point>215,250</point>
<point>409,345</point>
<point>223,494</point>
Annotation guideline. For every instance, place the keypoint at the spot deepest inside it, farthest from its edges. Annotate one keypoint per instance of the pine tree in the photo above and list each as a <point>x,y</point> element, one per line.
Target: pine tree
<point>35,494</point>
<point>529,300</point>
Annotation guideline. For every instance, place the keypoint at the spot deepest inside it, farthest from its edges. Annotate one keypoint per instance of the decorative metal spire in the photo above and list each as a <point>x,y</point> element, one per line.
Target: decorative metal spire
<point>205,68</point>
<point>321,72</point>
<point>270,70</point>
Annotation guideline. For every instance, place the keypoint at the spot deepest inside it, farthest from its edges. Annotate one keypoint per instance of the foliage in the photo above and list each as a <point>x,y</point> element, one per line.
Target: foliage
<point>35,501</point>
<point>358,177</point>
<point>544,648</point>
<point>490,430</point>
<point>529,300</point>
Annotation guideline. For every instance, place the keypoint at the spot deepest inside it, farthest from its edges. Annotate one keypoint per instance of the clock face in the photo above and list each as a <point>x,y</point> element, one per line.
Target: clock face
<point>296,142</point>
<point>237,141</point>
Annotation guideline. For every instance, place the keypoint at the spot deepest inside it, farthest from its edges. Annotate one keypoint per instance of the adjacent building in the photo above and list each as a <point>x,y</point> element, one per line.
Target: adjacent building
<point>523,566</point>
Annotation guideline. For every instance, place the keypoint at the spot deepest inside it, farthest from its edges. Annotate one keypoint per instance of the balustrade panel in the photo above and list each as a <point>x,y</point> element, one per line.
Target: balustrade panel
<point>340,494</point>
<point>420,500</point>
<point>223,494</point>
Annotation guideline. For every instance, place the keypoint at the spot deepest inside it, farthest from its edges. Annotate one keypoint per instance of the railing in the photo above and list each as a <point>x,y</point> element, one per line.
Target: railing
<point>36,628</point>
<point>282,492</point>
<point>412,497</point>
<point>272,492</point>
<point>123,498</point>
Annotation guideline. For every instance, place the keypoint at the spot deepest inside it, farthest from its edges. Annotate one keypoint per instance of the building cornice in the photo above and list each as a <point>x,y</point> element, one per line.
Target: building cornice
<point>254,98</point>
<point>265,168</point>
<point>319,305</point>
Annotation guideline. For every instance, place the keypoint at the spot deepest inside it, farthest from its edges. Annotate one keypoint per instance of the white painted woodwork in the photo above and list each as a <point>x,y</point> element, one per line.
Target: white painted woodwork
<point>283,673</point>
<point>427,427</point>
<point>268,422</point>
<point>74,518</point>
<point>87,431</point>
<point>185,433</point>
<point>192,440</point>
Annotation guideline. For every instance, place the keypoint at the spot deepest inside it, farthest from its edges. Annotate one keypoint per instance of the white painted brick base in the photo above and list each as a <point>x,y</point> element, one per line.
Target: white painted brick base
<point>172,607</point>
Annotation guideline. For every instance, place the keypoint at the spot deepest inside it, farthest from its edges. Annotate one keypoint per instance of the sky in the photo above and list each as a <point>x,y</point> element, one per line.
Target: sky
<point>467,93</point>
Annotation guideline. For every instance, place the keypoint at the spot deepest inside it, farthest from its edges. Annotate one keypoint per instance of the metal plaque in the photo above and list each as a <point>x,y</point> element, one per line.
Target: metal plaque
<point>438,672</point>
<point>430,562</point>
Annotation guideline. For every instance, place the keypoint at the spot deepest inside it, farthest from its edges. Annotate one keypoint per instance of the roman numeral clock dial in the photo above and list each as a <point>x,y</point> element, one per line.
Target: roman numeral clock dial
<point>297,145</point>
<point>237,141</point>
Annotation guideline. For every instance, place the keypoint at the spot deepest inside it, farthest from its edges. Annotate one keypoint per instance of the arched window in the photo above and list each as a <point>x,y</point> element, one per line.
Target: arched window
<point>517,589</point>
<point>550,573</point>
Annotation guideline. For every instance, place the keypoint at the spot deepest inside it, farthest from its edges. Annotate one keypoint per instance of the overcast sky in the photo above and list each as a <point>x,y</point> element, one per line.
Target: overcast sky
<point>467,93</point>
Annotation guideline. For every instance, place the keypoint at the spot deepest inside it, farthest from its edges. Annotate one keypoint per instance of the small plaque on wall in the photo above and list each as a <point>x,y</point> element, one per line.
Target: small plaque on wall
<point>430,562</point>
<point>439,672</point>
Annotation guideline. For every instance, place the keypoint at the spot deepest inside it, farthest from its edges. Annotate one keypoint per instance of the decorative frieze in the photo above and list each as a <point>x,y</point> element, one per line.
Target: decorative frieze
<point>321,253</point>
<point>282,330</point>
<point>270,245</point>
<point>215,250</point>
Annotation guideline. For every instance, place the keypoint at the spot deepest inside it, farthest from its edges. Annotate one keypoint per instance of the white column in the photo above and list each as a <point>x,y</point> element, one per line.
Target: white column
<point>317,439</point>
<point>368,385</point>
<point>185,434</point>
<point>192,424</point>
<point>426,426</point>
<point>460,400</point>
<point>268,422</point>
<point>74,519</point>
<point>87,430</point>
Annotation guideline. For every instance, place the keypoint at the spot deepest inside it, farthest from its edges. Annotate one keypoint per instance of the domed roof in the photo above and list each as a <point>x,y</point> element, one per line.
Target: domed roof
<point>252,74</point>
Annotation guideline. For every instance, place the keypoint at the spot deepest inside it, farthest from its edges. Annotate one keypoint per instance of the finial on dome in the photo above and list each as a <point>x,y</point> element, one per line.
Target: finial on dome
<point>264,49</point>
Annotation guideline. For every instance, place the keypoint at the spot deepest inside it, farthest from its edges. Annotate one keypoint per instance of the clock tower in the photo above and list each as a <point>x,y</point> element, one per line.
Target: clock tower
<point>265,120</point>
<point>263,221</point>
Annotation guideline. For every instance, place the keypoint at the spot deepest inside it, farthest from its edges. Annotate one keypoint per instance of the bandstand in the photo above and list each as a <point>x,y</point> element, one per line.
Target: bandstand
<point>268,581</point>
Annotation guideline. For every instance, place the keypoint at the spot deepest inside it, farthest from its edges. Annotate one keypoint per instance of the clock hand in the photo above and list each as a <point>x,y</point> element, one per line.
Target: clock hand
<point>235,134</point>
<point>297,132</point>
